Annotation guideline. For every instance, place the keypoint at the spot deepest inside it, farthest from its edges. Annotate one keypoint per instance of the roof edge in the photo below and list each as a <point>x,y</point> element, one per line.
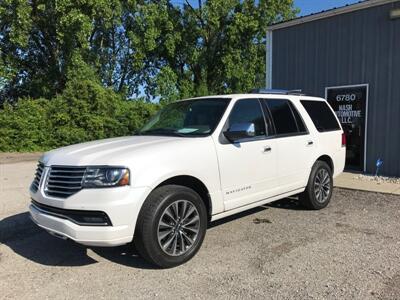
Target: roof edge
<point>329,13</point>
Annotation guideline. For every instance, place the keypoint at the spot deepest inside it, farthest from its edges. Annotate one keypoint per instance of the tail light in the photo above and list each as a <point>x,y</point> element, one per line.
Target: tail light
<point>343,139</point>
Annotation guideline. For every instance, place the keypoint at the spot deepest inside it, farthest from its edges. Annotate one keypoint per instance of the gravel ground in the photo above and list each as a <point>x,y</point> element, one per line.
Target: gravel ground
<point>350,250</point>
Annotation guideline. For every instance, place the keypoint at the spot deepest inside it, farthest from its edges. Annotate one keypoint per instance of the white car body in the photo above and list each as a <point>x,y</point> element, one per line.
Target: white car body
<point>236,178</point>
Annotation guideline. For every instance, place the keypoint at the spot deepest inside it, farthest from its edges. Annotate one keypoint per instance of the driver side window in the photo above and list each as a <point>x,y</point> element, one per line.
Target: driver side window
<point>248,111</point>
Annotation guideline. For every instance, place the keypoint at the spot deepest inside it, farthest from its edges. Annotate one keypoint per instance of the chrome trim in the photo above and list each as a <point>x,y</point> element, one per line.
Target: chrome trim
<point>54,187</point>
<point>35,185</point>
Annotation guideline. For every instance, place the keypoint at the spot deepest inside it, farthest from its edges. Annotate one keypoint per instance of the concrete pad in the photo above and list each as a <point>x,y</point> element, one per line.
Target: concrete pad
<point>350,181</point>
<point>396,192</point>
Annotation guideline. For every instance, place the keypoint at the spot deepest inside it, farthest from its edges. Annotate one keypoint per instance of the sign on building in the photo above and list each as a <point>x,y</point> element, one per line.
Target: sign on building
<point>350,105</point>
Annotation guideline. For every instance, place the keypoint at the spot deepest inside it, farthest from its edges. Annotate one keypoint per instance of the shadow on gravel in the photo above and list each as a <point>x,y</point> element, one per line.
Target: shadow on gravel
<point>291,203</point>
<point>237,216</point>
<point>124,255</point>
<point>26,239</point>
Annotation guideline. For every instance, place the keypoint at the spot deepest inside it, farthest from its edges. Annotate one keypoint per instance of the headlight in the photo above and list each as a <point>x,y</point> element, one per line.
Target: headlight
<point>96,177</point>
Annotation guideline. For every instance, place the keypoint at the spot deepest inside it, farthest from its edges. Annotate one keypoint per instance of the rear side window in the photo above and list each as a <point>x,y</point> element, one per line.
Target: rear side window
<point>285,117</point>
<point>321,115</point>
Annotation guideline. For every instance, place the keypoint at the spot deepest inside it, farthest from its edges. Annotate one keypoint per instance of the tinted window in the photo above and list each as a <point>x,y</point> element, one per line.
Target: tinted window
<point>300,123</point>
<point>282,116</point>
<point>321,115</point>
<point>248,111</point>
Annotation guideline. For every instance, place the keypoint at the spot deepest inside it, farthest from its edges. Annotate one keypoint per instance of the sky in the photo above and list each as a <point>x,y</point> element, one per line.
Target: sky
<point>306,6</point>
<point>312,6</point>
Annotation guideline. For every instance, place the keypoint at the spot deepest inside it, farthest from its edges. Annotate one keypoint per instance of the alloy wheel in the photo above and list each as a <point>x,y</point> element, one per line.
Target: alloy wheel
<point>322,185</point>
<point>178,227</point>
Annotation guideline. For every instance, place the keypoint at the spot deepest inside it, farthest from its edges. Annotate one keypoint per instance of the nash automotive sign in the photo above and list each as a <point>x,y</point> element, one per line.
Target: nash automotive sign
<point>349,104</point>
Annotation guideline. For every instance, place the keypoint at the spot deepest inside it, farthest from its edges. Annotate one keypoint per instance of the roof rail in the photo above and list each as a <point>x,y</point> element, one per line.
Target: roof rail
<point>277,92</point>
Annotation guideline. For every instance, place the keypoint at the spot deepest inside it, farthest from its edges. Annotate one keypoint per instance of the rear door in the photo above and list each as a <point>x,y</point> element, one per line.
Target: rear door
<point>295,147</point>
<point>248,166</point>
<point>329,131</point>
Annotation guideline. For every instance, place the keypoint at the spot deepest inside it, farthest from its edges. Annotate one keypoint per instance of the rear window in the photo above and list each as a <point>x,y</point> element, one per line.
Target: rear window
<point>321,115</point>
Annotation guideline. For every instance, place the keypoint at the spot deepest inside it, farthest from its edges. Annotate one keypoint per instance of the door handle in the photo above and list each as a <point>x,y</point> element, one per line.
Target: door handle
<point>267,149</point>
<point>310,143</point>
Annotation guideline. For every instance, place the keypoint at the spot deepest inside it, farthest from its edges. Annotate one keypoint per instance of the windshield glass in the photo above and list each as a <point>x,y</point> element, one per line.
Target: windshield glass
<point>187,118</point>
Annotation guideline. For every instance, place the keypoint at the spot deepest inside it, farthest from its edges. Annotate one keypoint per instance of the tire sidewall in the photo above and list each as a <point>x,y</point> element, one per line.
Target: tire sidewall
<point>157,254</point>
<point>316,168</point>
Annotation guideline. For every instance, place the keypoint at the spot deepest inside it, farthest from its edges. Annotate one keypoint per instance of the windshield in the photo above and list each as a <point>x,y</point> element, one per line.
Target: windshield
<point>187,118</point>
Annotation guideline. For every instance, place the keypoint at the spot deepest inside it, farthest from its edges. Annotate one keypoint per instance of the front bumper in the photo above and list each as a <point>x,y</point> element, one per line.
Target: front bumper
<point>79,217</point>
<point>120,205</point>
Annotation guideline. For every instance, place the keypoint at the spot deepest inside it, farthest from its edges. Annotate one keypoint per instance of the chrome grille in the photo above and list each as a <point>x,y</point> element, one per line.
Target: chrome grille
<point>38,176</point>
<point>63,181</point>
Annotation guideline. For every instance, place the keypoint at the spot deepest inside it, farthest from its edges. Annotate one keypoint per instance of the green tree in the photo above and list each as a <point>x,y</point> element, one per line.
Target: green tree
<point>41,40</point>
<point>219,46</point>
<point>170,51</point>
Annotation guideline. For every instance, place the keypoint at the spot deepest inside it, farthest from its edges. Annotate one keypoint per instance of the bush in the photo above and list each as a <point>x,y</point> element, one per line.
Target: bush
<point>84,111</point>
<point>24,127</point>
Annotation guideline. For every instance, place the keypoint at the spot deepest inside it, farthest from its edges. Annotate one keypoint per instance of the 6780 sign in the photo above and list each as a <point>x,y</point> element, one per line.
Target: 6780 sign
<point>346,97</point>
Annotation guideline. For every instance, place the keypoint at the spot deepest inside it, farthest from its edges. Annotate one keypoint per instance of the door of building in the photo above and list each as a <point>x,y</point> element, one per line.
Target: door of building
<point>350,104</point>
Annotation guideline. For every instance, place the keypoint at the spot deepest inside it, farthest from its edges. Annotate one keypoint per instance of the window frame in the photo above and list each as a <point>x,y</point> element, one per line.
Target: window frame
<point>291,106</point>
<point>295,110</point>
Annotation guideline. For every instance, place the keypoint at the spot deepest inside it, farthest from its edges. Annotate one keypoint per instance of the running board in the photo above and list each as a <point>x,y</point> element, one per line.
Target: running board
<point>255,204</point>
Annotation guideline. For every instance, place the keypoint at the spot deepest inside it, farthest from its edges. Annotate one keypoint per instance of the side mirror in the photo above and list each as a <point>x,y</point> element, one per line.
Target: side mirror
<point>239,131</point>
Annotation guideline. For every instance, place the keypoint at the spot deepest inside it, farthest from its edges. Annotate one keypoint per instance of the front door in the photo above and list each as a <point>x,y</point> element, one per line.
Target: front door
<point>248,166</point>
<point>350,103</point>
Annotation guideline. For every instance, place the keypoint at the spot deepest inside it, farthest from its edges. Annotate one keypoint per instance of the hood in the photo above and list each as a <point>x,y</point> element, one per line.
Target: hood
<point>115,151</point>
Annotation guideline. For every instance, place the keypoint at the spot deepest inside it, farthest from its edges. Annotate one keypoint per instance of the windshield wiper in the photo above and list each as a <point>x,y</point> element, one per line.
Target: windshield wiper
<point>162,132</point>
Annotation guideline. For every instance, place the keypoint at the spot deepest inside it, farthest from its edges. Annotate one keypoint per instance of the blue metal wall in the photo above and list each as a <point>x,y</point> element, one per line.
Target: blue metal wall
<point>353,48</point>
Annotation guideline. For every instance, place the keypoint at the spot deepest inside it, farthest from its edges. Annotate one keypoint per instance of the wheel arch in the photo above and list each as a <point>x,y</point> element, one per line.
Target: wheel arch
<point>326,158</point>
<point>193,183</point>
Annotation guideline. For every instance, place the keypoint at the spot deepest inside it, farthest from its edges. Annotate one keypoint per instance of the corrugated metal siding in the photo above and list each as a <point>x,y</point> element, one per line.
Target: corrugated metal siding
<point>353,48</point>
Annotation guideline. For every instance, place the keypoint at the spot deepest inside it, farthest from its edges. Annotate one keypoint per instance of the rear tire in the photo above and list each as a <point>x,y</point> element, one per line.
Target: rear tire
<point>318,192</point>
<point>171,226</point>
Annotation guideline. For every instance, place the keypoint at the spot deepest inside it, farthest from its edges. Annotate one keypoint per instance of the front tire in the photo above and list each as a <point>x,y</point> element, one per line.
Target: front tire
<point>318,192</point>
<point>171,226</point>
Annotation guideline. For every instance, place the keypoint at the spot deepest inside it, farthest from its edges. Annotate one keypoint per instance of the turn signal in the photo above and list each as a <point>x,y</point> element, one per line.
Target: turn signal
<point>124,180</point>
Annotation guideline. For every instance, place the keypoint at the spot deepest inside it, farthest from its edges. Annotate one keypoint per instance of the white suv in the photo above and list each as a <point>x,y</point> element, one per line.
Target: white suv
<point>196,161</point>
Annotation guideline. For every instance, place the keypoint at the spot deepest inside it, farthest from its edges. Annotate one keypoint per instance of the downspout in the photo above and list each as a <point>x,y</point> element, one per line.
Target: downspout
<point>268,59</point>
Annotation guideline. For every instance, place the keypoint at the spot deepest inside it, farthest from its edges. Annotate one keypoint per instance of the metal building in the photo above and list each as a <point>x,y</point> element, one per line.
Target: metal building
<point>351,56</point>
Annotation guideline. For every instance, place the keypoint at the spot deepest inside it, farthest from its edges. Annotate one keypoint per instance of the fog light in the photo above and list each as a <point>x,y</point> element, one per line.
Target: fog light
<point>94,220</point>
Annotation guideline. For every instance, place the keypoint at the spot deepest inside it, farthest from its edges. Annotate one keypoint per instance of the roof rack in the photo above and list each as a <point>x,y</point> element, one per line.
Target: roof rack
<point>277,92</point>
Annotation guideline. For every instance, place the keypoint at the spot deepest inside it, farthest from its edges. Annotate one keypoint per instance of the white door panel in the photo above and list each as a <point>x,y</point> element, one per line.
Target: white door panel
<point>247,167</point>
<point>248,171</point>
<point>295,156</point>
